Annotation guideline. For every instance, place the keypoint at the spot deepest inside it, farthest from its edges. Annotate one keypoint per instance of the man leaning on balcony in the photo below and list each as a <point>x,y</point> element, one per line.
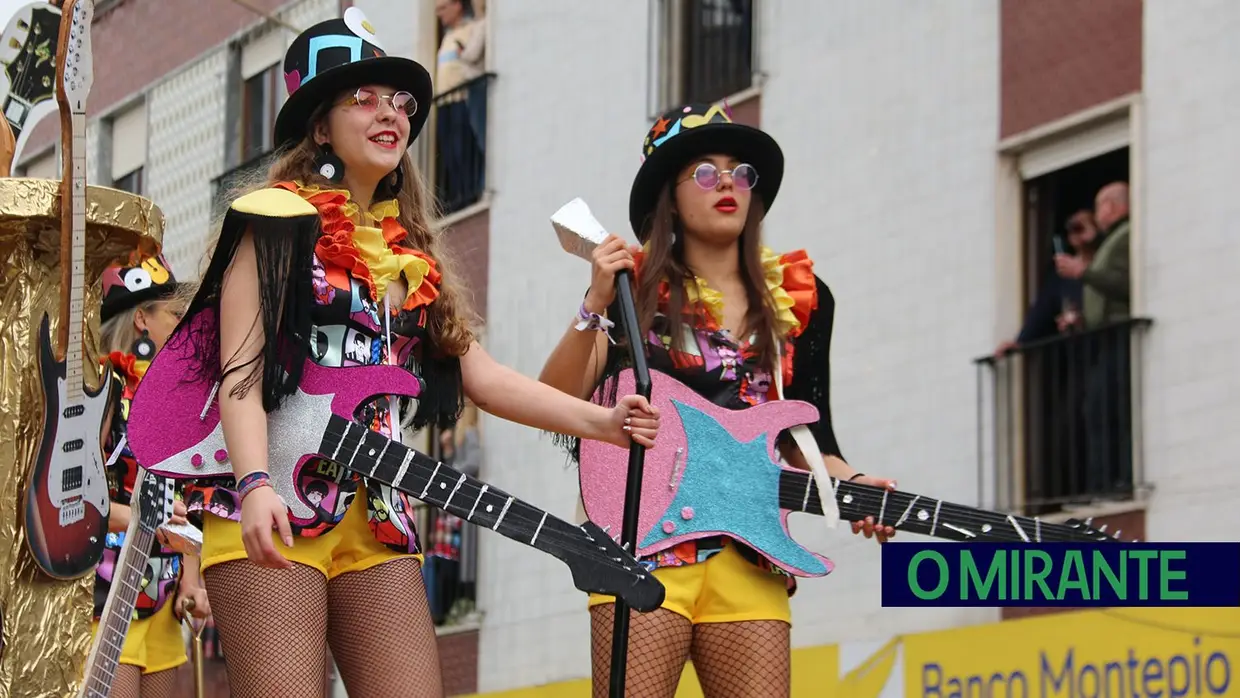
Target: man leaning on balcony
<point>1105,300</point>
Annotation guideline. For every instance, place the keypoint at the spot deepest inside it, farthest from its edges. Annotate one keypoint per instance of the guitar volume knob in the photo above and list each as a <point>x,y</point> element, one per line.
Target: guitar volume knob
<point>196,460</point>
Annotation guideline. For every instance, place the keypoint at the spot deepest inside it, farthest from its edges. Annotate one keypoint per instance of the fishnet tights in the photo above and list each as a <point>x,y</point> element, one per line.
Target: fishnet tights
<point>382,636</point>
<point>274,625</point>
<point>749,659</point>
<point>659,644</point>
<point>130,682</point>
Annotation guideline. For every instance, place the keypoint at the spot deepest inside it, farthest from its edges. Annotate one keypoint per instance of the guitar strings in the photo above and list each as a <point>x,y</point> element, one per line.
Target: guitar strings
<point>569,542</point>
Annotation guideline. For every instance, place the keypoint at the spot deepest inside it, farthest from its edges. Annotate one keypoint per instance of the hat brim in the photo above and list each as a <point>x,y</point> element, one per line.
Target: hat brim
<point>293,121</point>
<point>743,142</point>
<point>129,301</point>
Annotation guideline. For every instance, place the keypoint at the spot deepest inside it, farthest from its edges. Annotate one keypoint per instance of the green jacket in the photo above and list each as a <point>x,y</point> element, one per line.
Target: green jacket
<point>1105,284</point>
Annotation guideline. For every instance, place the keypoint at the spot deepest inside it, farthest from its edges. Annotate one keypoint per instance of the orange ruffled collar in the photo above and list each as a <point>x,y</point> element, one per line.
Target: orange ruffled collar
<point>373,254</point>
<point>789,278</point>
<point>128,365</point>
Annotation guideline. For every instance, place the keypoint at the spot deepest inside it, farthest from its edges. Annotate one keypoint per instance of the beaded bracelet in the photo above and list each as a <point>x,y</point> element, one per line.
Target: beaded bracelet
<point>587,320</point>
<point>251,482</point>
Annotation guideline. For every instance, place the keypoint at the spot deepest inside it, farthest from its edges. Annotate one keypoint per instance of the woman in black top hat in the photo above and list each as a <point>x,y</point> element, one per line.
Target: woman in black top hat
<point>721,313</point>
<point>333,258</point>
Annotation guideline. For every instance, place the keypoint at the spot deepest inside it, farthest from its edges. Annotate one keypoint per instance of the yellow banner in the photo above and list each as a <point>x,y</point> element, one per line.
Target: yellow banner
<point>1129,653</point>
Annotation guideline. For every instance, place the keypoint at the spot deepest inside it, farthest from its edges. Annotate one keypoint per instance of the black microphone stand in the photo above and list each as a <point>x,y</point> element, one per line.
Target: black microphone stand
<point>633,486</point>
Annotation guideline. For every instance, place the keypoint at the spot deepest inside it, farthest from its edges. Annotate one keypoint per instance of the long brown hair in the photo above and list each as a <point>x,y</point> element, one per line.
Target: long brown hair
<point>665,260</point>
<point>452,320</point>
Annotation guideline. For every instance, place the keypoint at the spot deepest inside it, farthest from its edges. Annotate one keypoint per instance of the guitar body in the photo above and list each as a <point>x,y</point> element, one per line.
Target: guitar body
<point>174,429</point>
<point>66,503</point>
<point>28,81</point>
<point>195,448</point>
<point>714,471</point>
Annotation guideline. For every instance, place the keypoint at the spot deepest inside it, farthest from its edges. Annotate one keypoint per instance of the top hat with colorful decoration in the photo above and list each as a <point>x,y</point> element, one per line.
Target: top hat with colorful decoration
<point>691,131</point>
<point>342,54</point>
<point>126,286</point>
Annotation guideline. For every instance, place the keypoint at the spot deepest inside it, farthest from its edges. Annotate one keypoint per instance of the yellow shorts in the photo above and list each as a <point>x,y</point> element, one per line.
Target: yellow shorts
<point>349,547</point>
<point>724,589</point>
<point>154,644</point>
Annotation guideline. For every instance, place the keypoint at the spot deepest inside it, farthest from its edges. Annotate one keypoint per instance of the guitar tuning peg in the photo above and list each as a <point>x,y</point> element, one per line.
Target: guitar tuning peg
<point>1089,522</point>
<point>1118,532</point>
<point>1102,529</point>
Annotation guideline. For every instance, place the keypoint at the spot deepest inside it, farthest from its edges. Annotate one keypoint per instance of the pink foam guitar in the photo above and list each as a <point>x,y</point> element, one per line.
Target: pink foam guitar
<point>716,471</point>
<point>174,430</point>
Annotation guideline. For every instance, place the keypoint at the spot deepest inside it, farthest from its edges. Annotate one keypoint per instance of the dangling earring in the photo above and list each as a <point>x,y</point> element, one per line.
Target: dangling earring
<point>673,238</point>
<point>396,180</point>
<point>143,347</point>
<point>328,165</point>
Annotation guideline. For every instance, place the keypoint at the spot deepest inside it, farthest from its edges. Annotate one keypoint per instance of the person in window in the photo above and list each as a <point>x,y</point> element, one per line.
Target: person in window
<point>461,118</point>
<point>1105,302</point>
<point>142,303</point>
<point>343,194</point>
<point>1057,309</point>
<point>720,312</point>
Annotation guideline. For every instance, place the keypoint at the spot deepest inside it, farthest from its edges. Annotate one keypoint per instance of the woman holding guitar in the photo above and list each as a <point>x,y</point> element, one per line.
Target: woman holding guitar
<point>141,305</point>
<point>717,308</point>
<point>333,258</point>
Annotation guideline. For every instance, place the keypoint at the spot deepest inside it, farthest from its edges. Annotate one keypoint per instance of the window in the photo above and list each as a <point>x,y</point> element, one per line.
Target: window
<point>706,50</point>
<point>45,166</point>
<point>1066,401</point>
<point>262,90</point>
<point>258,113</point>
<point>131,182</point>
<point>129,149</point>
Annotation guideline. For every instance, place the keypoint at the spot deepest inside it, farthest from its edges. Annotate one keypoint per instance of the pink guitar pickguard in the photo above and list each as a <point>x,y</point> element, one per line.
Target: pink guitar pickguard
<point>604,467</point>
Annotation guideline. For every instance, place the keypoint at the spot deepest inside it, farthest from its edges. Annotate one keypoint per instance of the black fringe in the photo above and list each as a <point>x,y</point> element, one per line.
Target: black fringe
<point>443,397</point>
<point>284,252</point>
<point>607,391</point>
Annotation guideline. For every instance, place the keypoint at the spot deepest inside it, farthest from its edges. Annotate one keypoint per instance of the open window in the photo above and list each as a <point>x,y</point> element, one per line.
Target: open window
<point>262,91</point>
<point>705,50</point>
<point>129,149</point>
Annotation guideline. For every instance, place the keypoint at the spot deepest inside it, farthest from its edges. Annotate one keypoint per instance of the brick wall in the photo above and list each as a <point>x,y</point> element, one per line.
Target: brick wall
<point>458,660</point>
<point>1062,56</point>
<point>469,243</point>
<point>170,33</point>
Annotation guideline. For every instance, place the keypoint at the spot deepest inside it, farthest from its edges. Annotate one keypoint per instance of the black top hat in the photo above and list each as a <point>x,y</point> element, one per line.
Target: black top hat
<point>126,286</point>
<point>691,131</point>
<point>341,54</point>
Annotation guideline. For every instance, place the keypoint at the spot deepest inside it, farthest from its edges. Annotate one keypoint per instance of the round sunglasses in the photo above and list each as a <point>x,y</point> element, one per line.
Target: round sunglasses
<point>402,101</point>
<point>707,176</point>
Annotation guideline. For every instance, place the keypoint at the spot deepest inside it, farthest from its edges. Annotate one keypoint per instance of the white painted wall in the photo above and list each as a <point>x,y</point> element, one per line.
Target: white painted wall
<point>888,116</point>
<point>568,119</point>
<point>1191,254</point>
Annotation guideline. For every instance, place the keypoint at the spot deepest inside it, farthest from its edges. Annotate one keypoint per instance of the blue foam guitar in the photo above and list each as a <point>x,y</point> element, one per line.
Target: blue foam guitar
<point>717,471</point>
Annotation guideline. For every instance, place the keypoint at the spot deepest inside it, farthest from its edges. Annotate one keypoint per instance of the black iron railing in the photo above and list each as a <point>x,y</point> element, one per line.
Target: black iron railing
<point>717,54</point>
<point>1060,424</point>
<point>452,148</point>
<point>450,544</point>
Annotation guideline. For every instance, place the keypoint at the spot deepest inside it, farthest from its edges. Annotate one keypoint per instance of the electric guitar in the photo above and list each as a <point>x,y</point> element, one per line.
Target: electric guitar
<point>66,499</point>
<point>28,50</point>
<point>174,429</point>
<point>717,472</point>
<point>151,507</point>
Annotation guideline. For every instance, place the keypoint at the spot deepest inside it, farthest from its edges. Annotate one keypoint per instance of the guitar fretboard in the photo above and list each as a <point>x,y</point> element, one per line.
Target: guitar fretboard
<point>905,511</point>
<point>73,350</point>
<point>418,475</point>
<point>118,612</point>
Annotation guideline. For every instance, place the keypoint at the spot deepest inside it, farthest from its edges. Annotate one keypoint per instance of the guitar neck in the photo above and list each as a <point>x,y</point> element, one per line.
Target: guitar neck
<point>118,610</point>
<point>422,477</point>
<point>73,254</point>
<point>914,513</point>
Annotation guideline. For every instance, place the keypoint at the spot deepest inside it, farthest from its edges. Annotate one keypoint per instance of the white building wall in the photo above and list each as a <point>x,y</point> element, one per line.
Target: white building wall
<point>567,119</point>
<point>1191,253</point>
<point>887,114</point>
<point>888,118</point>
<point>186,112</point>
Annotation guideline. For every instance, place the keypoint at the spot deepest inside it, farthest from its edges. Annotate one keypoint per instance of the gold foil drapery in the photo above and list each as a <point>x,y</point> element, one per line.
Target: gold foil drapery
<point>47,622</point>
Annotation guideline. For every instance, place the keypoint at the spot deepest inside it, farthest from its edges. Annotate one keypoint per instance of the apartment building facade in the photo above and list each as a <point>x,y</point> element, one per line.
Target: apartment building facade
<point>934,151</point>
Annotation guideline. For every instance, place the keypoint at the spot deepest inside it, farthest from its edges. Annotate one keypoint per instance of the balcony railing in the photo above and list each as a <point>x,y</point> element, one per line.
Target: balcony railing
<point>452,147</point>
<point>1061,423</point>
<point>717,58</point>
